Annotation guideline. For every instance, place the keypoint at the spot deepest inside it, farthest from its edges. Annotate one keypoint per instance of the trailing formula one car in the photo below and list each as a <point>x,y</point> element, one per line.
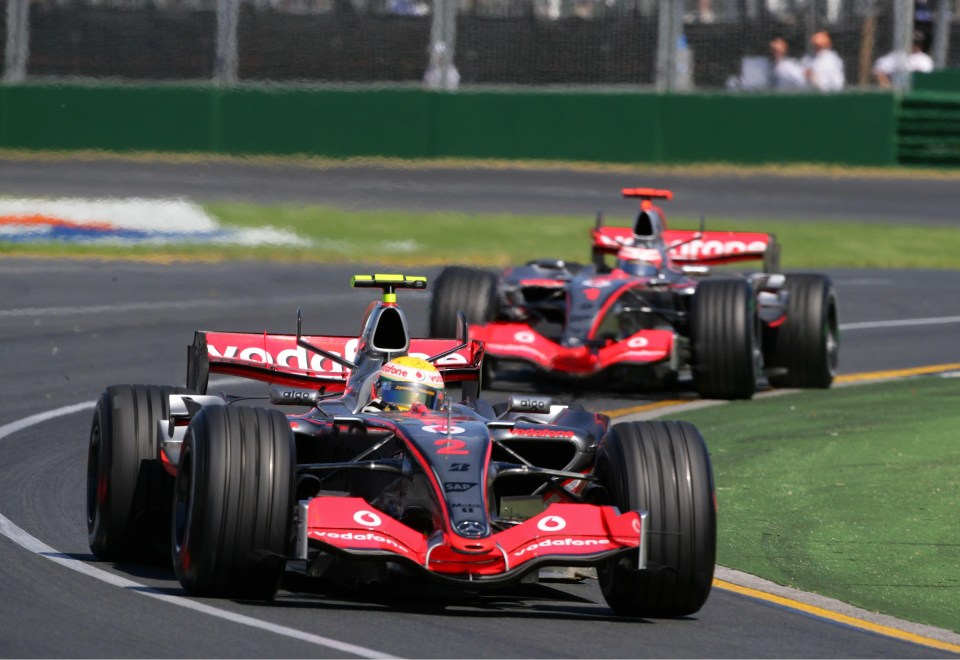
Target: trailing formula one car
<point>654,314</point>
<point>385,471</point>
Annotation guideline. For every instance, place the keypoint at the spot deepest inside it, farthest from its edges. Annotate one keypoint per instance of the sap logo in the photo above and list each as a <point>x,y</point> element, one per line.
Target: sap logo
<point>458,486</point>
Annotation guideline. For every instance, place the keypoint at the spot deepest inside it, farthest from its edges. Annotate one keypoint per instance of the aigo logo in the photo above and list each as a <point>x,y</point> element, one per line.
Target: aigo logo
<point>551,524</point>
<point>367,519</point>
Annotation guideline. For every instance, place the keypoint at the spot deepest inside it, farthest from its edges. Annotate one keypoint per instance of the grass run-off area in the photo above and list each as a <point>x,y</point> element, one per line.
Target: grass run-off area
<point>852,493</point>
<point>407,238</point>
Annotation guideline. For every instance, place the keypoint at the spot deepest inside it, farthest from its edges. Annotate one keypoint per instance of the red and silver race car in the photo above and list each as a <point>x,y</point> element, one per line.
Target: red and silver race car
<point>465,494</point>
<point>648,311</point>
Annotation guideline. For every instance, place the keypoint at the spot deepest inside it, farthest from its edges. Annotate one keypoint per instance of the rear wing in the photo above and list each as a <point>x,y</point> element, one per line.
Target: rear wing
<point>689,247</point>
<point>277,359</point>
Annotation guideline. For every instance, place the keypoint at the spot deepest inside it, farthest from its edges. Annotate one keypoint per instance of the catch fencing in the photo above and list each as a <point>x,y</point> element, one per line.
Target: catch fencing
<point>662,45</point>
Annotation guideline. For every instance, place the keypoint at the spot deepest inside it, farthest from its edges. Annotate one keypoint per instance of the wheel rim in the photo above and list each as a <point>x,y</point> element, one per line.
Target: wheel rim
<point>184,497</point>
<point>96,484</point>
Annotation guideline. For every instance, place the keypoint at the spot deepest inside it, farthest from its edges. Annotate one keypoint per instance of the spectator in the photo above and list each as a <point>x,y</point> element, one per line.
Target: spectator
<point>890,65</point>
<point>824,69</point>
<point>785,71</point>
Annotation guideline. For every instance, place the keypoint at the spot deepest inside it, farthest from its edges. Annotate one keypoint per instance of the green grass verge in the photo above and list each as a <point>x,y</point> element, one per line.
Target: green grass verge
<point>406,238</point>
<point>852,493</point>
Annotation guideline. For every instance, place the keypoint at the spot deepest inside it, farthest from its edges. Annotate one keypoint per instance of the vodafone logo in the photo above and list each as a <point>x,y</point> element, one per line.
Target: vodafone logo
<point>551,524</point>
<point>367,519</point>
<point>524,337</point>
<point>443,428</point>
<point>637,342</point>
<point>636,525</point>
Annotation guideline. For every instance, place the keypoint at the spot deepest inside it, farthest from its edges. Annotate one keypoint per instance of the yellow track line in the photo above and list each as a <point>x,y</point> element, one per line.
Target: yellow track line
<point>620,412</point>
<point>835,616</point>
<point>795,604</point>
<point>897,373</point>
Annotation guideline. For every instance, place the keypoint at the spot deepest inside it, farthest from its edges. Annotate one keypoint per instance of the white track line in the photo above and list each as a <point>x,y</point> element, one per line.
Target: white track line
<point>34,545</point>
<point>900,323</point>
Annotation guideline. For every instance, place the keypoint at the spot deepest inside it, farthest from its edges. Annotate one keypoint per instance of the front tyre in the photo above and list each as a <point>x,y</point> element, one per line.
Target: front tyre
<point>128,491</point>
<point>804,351</point>
<point>663,468</point>
<point>458,288</point>
<point>233,503</point>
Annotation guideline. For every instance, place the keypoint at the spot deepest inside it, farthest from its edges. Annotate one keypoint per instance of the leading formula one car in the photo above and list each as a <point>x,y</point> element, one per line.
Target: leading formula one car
<point>466,494</point>
<point>648,311</point>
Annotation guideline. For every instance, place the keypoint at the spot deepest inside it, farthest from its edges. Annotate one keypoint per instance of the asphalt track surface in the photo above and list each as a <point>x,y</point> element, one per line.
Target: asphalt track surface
<point>69,328</point>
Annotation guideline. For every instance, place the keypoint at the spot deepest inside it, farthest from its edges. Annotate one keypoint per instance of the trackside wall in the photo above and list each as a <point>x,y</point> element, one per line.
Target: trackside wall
<point>620,127</point>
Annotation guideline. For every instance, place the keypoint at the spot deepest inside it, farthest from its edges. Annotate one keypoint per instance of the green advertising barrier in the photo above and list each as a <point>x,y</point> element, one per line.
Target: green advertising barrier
<point>616,126</point>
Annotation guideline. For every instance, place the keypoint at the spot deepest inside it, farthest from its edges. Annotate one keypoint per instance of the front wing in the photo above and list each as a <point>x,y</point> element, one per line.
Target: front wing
<point>563,535</point>
<point>520,342</point>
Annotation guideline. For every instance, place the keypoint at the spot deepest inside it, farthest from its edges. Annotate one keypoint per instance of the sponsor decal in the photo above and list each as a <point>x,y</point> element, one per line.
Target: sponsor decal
<point>597,282</point>
<point>290,358</point>
<point>459,467</point>
<point>125,221</point>
<point>636,525</point>
<point>637,342</point>
<point>542,433</point>
<point>458,486</point>
<point>715,248</point>
<point>645,255</point>
<point>551,524</point>
<point>360,536</point>
<point>591,294</point>
<point>443,428</point>
<point>367,519</point>
<point>525,337</point>
<point>561,543</point>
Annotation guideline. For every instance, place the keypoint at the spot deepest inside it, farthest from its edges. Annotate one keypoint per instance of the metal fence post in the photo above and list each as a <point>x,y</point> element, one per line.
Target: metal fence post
<point>941,34</point>
<point>226,62</point>
<point>18,41</point>
<point>902,41</point>
<point>441,71</point>
<point>669,29</point>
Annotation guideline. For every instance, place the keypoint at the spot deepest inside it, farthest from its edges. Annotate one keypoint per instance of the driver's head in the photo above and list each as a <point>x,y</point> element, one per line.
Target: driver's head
<point>639,261</point>
<point>406,380</point>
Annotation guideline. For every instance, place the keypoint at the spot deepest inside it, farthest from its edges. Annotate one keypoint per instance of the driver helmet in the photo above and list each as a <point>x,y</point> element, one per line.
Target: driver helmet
<point>407,380</point>
<point>639,261</point>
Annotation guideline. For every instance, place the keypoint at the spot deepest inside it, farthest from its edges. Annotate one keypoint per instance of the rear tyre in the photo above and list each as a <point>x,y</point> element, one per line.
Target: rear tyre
<point>663,468</point>
<point>457,288</point>
<point>128,491</point>
<point>804,351</point>
<point>233,502</point>
<point>723,329</point>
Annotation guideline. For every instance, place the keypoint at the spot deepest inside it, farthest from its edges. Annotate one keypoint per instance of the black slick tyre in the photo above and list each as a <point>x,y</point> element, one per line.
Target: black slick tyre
<point>233,502</point>
<point>128,491</point>
<point>663,468</point>
<point>458,288</point>
<point>804,350</point>
<point>723,339</point>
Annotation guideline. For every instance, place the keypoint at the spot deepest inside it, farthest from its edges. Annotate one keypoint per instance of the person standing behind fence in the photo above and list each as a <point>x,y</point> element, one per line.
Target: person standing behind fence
<point>785,71</point>
<point>824,69</point>
<point>887,67</point>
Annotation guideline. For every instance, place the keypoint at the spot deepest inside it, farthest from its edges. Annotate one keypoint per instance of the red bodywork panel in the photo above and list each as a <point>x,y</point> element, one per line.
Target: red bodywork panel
<point>518,341</point>
<point>710,249</point>
<point>277,359</point>
<point>353,526</point>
